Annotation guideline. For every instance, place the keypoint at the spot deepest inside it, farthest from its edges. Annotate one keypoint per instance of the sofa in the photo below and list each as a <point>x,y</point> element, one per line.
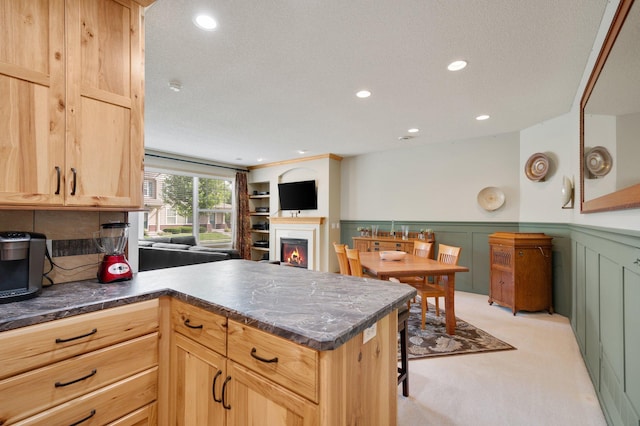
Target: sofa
<point>168,252</point>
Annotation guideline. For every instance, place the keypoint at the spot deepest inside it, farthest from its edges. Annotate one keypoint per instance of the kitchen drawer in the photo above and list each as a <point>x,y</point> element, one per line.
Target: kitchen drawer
<point>29,393</point>
<point>387,246</point>
<point>291,365</point>
<point>145,416</point>
<point>204,327</point>
<point>104,405</point>
<point>26,348</point>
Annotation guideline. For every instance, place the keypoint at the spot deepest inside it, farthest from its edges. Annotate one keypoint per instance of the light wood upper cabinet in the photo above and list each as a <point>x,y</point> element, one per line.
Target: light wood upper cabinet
<point>71,103</point>
<point>32,102</point>
<point>104,103</point>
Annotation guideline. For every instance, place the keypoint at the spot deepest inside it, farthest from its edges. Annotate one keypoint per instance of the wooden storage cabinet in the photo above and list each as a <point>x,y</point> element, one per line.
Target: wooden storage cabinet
<point>71,103</point>
<point>101,364</point>
<point>387,244</point>
<point>521,274</point>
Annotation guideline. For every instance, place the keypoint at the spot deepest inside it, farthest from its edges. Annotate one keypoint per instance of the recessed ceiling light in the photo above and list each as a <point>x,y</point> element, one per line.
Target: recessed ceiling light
<point>483,117</point>
<point>259,160</point>
<point>302,151</point>
<point>175,85</point>
<point>205,22</point>
<point>414,130</point>
<point>363,94</point>
<point>456,65</point>
<point>405,138</point>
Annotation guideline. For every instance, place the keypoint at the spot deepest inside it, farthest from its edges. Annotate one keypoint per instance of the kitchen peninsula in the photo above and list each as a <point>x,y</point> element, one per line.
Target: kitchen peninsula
<point>245,340</point>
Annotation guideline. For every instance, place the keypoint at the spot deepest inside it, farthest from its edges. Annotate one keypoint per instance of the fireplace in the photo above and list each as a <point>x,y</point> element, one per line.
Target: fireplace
<point>294,252</point>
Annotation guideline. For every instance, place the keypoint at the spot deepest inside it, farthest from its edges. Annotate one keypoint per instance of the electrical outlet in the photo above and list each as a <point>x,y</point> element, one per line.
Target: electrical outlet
<point>369,333</point>
<point>50,247</point>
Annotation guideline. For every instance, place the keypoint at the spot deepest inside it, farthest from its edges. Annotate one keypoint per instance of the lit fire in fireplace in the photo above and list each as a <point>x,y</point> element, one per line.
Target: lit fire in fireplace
<point>294,252</point>
<point>295,258</point>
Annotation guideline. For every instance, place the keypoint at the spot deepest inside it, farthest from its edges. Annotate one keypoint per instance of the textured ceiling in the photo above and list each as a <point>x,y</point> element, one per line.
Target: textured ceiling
<point>278,76</point>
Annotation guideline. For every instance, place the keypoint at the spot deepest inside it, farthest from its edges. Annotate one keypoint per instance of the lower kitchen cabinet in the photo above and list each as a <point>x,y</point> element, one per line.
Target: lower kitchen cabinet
<point>198,374</point>
<point>258,378</point>
<point>254,400</point>
<point>166,362</point>
<point>93,368</point>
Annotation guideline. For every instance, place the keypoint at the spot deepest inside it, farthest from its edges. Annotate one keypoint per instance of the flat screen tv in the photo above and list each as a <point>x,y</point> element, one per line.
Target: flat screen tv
<point>298,195</point>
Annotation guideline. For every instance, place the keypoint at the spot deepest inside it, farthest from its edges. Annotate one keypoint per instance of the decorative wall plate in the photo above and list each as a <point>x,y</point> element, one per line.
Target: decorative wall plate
<point>537,167</point>
<point>491,198</point>
<point>598,161</point>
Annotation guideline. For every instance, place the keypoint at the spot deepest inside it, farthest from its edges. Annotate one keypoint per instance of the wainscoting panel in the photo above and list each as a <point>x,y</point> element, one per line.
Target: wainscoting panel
<point>578,315</point>
<point>473,237</point>
<point>631,299</point>
<point>592,313</point>
<point>607,295</point>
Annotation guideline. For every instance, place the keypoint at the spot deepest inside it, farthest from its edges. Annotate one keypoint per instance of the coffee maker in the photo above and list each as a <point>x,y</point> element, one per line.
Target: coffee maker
<point>112,240</point>
<point>21,265</point>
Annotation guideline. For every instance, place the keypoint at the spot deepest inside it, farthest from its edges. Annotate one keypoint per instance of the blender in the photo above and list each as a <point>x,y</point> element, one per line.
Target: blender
<point>112,240</point>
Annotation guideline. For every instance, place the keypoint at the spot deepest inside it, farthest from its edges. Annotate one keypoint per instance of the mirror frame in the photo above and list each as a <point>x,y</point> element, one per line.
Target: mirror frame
<point>625,198</point>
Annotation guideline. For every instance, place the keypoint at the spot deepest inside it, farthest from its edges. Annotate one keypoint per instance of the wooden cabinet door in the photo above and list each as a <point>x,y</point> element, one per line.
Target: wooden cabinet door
<point>253,400</point>
<point>104,142</point>
<point>361,245</point>
<point>197,377</point>
<point>32,102</point>
<point>532,267</point>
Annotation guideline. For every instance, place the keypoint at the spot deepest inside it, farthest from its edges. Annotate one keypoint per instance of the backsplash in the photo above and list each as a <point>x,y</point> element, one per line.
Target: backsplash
<point>71,235</point>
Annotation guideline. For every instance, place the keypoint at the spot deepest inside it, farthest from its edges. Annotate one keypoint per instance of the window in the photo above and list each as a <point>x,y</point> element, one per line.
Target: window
<point>175,209</point>
<point>171,216</point>
<point>149,188</point>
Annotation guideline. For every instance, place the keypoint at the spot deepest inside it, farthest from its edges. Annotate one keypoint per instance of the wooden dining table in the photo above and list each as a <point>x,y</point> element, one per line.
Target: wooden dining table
<point>411,266</point>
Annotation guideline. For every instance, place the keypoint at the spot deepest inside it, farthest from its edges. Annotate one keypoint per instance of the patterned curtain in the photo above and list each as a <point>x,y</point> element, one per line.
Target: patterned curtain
<point>243,220</point>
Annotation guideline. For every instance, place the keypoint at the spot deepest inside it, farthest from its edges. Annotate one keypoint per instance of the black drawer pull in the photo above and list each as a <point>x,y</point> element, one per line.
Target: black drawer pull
<point>213,386</point>
<point>224,394</point>
<point>59,340</point>
<point>75,179</point>
<point>259,358</point>
<point>188,324</point>
<point>60,384</point>
<point>93,413</point>
<point>58,180</point>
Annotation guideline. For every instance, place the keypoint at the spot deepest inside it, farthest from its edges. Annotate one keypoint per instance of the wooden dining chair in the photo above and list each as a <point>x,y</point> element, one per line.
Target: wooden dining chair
<point>446,254</point>
<point>342,258</point>
<point>421,249</point>
<point>353,255</point>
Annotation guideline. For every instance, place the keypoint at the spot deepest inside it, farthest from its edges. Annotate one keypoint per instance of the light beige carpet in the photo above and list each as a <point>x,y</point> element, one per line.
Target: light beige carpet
<point>543,382</point>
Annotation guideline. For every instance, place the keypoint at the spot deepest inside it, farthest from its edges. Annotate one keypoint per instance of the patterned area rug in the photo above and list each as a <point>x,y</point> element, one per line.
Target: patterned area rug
<point>434,341</point>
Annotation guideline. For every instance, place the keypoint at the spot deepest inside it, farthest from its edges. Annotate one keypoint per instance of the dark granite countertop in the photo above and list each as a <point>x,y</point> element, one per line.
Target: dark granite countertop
<point>316,309</point>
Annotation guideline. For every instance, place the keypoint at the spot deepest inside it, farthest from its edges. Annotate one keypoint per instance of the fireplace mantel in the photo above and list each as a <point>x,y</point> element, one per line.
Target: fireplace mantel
<point>302,220</point>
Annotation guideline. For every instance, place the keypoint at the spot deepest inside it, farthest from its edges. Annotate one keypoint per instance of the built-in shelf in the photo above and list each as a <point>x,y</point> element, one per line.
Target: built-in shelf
<point>259,200</point>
